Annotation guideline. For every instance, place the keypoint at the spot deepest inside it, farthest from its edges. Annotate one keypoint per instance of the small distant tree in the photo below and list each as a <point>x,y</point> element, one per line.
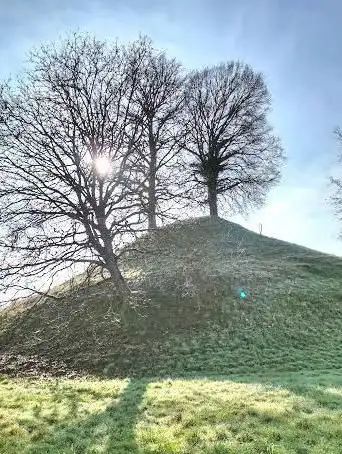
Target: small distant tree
<point>234,153</point>
<point>158,108</point>
<point>67,195</point>
<point>336,183</point>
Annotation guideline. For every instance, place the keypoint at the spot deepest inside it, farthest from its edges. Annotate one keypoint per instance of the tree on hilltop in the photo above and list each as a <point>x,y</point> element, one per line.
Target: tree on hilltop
<point>68,196</point>
<point>158,109</point>
<point>235,154</point>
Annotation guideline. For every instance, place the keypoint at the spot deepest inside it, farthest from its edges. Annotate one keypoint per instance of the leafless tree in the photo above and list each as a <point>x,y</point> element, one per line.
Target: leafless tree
<point>234,151</point>
<point>336,182</point>
<point>158,109</point>
<point>67,195</point>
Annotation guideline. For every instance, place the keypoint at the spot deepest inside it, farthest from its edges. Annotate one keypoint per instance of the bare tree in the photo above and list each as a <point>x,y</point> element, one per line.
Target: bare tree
<point>234,151</point>
<point>336,183</point>
<point>158,104</point>
<point>67,195</point>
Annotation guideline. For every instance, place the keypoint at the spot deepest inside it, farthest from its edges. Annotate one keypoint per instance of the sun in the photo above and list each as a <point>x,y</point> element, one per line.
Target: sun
<point>102,165</point>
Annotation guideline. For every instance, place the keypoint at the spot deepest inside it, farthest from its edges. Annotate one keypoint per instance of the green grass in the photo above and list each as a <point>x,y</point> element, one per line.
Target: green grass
<point>257,375</point>
<point>187,315</point>
<point>261,414</point>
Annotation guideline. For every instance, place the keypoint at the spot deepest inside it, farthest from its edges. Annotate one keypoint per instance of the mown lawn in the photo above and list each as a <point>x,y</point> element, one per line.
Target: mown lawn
<point>271,414</point>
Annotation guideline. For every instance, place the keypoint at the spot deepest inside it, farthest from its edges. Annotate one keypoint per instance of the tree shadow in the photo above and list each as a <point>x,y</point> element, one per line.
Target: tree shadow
<point>258,420</point>
<point>190,408</point>
<point>111,430</point>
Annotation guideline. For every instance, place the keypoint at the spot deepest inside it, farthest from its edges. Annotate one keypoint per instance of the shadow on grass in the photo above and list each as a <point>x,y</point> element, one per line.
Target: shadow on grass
<point>111,430</point>
<point>211,415</point>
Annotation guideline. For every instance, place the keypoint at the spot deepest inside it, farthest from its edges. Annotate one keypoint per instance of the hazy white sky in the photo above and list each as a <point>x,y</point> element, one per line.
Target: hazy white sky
<point>296,44</point>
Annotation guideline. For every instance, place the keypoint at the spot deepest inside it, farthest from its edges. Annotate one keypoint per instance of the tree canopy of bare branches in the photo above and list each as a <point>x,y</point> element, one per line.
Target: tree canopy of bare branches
<point>67,195</point>
<point>97,142</point>
<point>234,151</point>
<point>158,109</point>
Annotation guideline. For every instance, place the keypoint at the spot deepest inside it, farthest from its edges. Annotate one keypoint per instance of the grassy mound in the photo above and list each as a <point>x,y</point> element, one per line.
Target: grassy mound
<point>187,317</point>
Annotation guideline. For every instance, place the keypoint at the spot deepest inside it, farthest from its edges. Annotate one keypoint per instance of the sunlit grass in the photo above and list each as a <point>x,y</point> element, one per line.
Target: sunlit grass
<point>258,375</point>
<point>288,413</point>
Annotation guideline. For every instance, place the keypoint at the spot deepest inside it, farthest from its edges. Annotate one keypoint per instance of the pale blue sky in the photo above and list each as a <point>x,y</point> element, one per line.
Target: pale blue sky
<point>295,43</point>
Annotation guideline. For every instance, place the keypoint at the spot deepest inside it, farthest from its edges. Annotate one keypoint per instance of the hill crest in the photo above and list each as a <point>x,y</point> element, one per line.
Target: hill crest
<point>186,314</point>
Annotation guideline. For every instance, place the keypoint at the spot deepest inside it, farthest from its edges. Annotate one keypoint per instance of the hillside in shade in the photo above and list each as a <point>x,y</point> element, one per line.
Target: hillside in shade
<point>209,297</point>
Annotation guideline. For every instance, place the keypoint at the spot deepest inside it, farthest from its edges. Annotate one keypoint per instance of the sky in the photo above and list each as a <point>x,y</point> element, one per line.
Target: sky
<point>296,44</point>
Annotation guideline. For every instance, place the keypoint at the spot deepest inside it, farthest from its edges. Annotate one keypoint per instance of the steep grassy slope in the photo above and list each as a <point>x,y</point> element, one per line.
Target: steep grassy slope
<point>188,317</point>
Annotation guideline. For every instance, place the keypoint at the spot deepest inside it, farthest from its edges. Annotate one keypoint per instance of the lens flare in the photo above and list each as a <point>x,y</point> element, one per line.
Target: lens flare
<point>242,293</point>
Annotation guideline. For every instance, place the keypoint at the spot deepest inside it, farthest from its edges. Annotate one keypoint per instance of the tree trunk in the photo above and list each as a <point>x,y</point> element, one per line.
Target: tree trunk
<point>109,257</point>
<point>212,198</point>
<point>123,292</point>
<point>116,277</point>
<point>152,222</point>
<point>152,200</point>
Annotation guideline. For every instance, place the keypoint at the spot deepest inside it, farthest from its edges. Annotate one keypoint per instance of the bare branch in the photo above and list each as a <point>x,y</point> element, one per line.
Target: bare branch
<point>67,141</point>
<point>232,146</point>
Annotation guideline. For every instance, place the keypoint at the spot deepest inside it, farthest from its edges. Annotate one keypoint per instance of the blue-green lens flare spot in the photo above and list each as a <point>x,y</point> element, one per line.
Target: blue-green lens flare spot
<point>242,294</point>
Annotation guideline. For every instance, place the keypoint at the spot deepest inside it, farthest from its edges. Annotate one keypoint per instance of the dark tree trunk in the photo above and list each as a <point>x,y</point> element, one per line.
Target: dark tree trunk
<point>123,291</point>
<point>116,277</point>
<point>110,258</point>
<point>152,222</point>
<point>212,198</point>
<point>152,200</point>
